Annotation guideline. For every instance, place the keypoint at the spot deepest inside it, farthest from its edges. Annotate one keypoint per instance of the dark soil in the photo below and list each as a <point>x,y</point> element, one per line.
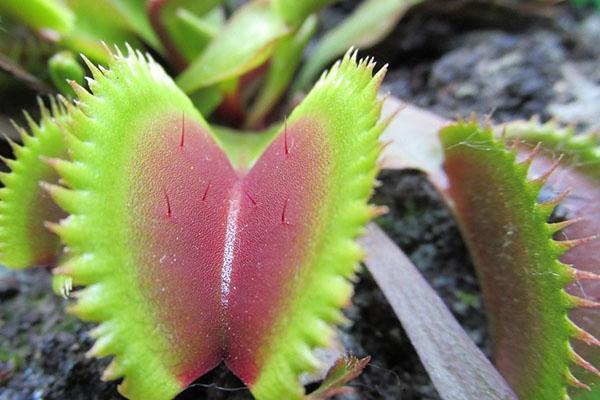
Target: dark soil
<point>42,352</point>
<point>454,60</point>
<point>497,61</point>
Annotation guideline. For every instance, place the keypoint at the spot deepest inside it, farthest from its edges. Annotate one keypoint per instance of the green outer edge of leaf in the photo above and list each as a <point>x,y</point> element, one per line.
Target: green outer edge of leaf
<point>584,151</point>
<point>21,190</point>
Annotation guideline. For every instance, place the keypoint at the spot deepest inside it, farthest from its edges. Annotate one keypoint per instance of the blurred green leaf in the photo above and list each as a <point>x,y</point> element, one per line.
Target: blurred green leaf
<point>64,67</point>
<point>48,15</point>
<point>294,12</point>
<point>283,65</point>
<point>96,22</point>
<point>182,27</point>
<point>199,8</point>
<point>190,32</point>
<point>206,100</point>
<point>245,42</point>
<point>371,22</point>
<point>134,12</point>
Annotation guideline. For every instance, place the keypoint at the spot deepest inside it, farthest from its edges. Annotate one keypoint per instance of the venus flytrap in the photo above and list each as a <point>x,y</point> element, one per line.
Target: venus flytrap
<point>539,277</point>
<point>517,258</point>
<point>187,261</point>
<point>577,172</point>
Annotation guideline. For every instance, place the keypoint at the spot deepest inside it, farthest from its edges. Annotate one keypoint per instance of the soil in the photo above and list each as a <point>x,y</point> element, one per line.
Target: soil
<point>455,60</point>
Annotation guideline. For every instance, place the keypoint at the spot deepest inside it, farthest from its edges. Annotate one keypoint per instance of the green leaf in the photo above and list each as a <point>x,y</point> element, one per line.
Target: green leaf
<point>208,99</point>
<point>368,24</point>
<point>184,27</point>
<point>586,2</point>
<point>134,12</point>
<point>294,12</point>
<point>63,67</point>
<point>517,261</point>
<point>192,33</point>
<point>225,58</point>
<point>49,15</point>
<point>96,22</point>
<point>282,67</point>
<point>198,8</point>
<point>24,206</point>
